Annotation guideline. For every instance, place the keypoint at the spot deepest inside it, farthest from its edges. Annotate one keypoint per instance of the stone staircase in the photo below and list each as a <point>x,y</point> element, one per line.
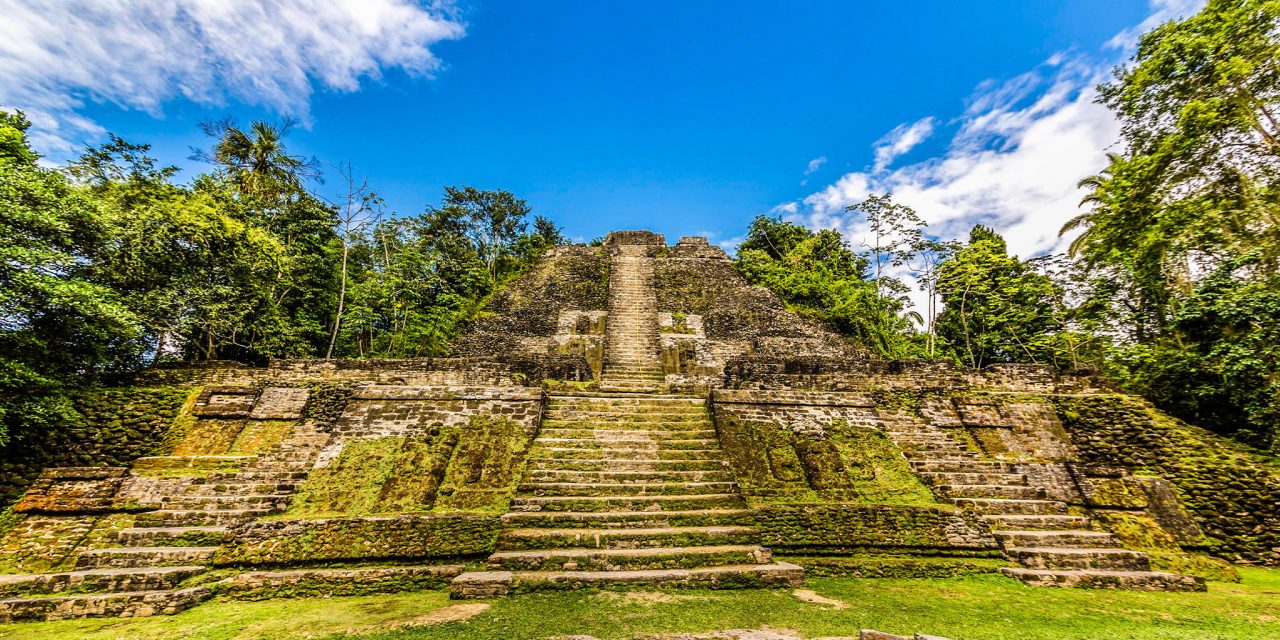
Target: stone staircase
<point>631,360</point>
<point>142,576</point>
<point>626,489</point>
<point>1053,547</point>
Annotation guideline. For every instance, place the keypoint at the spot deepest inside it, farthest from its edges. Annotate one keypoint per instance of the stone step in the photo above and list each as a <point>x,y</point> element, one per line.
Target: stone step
<point>637,432</point>
<point>171,536</point>
<point>95,580</point>
<point>629,559</point>
<point>134,604</point>
<point>966,466</point>
<point>624,488</point>
<point>1059,538</point>
<point>942,477</point>
<point>335,582</point>
<point>197,517</point>
<point>1036,522</point>
<point>627,476</point>
<point>628,503</point>
<point>121,557</point>
<point>650,375</point>
<point>630,519</point>
<point>693,414</point>
<point>1096,579</point>
<point>1109,559</point>
<point>1011,507</point>
<point>955,453</point>
<point>630,386</point>
<point>1013,492</point>
<point>626,538</point>
<point>251,476</point>
<point>218,502</point>
<point>650,488</point>
<point>588,464</point>
<point>631,403</point>
<point>629,442</point>
<point>242,489</point>
<point>487,584</point>
<point>611,453</point>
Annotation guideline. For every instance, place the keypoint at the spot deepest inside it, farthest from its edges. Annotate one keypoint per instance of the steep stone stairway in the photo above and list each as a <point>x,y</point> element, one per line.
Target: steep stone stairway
<point>166,546</point>
<point>1054,547</point>
<point>626,489</point>
<point>631,360</point>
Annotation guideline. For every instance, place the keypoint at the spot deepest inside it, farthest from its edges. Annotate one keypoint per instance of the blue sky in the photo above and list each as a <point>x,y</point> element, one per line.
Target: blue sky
<point>681,117</point>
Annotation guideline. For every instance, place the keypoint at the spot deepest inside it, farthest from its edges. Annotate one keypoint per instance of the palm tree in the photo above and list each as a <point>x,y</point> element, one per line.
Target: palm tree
<point>256,159</point>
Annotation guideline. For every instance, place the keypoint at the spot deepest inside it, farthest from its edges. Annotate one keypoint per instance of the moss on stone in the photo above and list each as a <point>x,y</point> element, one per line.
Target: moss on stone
<point>401,537</point>
<point>375,475</point>
<point>116,426</point>
<point>845,528</point>
<point>845,463</point>
<point>325,403</point>
<point>210,437</point>
<point>893,566</point>
<point>258,436</point>
<point>1232,491</point>
<point>486,465</point>
<point>1141,533</point>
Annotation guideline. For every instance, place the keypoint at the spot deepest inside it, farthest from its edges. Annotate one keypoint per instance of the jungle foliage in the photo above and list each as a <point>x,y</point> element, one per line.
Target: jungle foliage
<point>1172,283</point>
<point>109,264</point>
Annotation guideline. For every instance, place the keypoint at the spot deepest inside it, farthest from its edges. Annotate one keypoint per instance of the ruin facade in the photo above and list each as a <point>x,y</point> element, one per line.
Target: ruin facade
<point>629,414</point>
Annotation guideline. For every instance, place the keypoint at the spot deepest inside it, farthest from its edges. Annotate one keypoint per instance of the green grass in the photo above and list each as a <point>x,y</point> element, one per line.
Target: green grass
<point>979,607</point>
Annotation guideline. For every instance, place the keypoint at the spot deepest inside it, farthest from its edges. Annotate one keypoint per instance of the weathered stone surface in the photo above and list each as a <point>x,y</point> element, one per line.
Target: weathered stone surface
<point>74,490</point>
<point>278,542</point>
<point>280,403</point>
<point>304,583</point>
<point>852,527</point>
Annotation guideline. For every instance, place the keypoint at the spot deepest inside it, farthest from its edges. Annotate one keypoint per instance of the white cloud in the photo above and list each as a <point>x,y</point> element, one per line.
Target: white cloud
<point>1013,163</point>
<point>814,165</point>
<point>902,139</point>
<point>139,54</point>
<point>1018,151</point>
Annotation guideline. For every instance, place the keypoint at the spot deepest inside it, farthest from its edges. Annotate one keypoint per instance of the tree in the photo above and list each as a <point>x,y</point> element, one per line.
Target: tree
<point>998,308</point>
<point>59,329</point>
<point>927,255</point>
<point>895,231</point>
<point>493,219</point>
<point>820,277</point>
<point>360,209</point>
<point>256,159</point>
<point>1188,213</point>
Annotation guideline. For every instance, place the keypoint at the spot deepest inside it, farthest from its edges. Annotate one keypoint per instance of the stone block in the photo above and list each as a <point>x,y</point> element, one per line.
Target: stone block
<point>280,403</point>
<point>74,490</point>
<point>226,401</point>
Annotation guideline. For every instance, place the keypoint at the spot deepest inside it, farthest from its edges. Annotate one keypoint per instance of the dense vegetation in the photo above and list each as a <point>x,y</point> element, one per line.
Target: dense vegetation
<point>1172,284</point>
<point>108,264</point>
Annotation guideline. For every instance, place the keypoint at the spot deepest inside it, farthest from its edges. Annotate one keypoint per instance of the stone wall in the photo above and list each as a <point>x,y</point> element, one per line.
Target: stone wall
<point>405,537</point>
<point>853,528</point>
<point>524,315</point>
<point>1231,491</point>
<point>826,372</point>
<point>790,446</point>
<point>500,368</point>
<point>116,426</point>
<point>404,449</point>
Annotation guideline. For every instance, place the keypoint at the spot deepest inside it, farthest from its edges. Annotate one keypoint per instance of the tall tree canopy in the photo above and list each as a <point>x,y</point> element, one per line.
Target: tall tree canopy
<point>1181,227</point>
<point>819,276</point>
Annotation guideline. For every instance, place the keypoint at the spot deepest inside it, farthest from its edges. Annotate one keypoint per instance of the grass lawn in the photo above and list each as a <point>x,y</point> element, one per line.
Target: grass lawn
<point>973,608</point>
